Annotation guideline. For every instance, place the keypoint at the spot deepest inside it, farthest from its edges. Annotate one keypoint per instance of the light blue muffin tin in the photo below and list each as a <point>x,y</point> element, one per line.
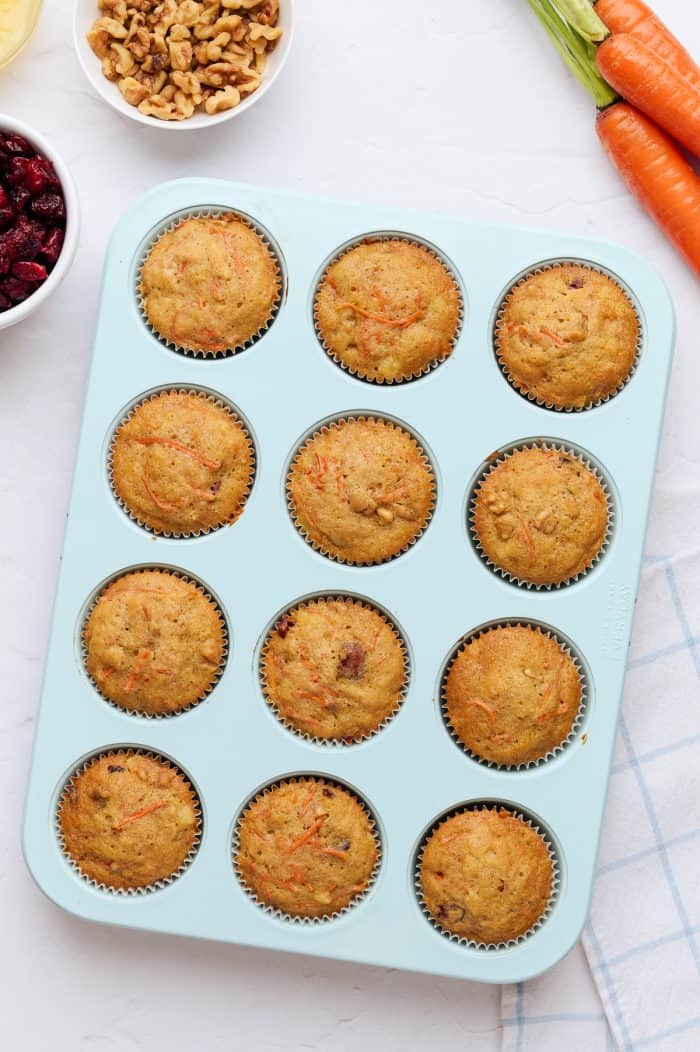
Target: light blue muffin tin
<point>412,771</point>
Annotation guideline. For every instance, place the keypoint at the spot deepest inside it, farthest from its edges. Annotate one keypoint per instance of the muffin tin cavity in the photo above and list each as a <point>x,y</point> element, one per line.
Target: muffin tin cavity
<point>181,575</point>
<point>387,512</point>
<point>170,224</point>
<point>354,657</point>
<point>541,268</point>
<point>550,445</point>
<point>567,647</point>
<point>206,495</point>
<point>115,752</point>
<point>326,786</point>
<point>530,820</point>
<point>378,237</point>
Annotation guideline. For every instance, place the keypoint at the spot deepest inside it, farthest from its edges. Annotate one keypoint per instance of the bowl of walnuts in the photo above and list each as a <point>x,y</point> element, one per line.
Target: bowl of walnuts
<point>182,64</point>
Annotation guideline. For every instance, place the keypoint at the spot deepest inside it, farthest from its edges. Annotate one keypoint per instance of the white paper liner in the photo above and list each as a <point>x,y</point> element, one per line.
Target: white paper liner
<point>146,889</point>
<point>182,576</point>
<point>444,263</point>
<point>472,944</point>
<point>541,402</point>
<point>217,400</point>
<point>214,212</point>
<point>566,449</point>
<point>335,742</point>
<point>274,911</point>
<point>324,429</point>
<point>565,646</point>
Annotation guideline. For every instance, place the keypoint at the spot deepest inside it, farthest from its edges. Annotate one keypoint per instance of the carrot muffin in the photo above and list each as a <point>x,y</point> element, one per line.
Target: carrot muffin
<point>567,336</point>
<point>541,516</point>
<point>333,668</point>
<point>306,848</point>
<point>388,310</point>
<point>486,875</point>
<point>361,490</point>
<point>128,821</point>
<point>512,694</point>
<point>154,643</point>
<point>182,464</point>
<point>210,284</point>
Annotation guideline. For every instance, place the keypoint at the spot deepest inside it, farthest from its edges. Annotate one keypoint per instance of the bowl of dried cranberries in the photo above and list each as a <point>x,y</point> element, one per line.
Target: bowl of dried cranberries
<point>38,220</point>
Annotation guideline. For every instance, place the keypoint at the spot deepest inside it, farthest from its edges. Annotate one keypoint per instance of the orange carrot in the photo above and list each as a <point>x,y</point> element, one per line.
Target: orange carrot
<point>633,16</point>
<point>396,323</point>
<point>135,815</point>
<point>653,85</point>
<point>155,441</point>
<point>657,174</point>
<point>307,834</point>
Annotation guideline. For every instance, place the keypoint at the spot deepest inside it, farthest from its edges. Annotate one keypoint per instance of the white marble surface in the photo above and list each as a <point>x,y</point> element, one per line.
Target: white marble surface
<point>460,106</point>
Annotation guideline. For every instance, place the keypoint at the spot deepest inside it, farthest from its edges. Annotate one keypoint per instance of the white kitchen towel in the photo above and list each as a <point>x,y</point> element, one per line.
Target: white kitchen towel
<point>635,982</point>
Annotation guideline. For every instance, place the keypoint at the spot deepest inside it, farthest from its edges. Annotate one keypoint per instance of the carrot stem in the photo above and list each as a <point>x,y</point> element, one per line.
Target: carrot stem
<point>581,16</point>
<point>577,53</point>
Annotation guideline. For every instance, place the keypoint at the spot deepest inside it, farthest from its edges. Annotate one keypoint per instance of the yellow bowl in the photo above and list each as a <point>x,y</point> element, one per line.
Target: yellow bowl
<point>18,19</point>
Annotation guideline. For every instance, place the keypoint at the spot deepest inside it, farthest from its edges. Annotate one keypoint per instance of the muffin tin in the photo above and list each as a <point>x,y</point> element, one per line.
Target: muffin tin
<point>410,773</point>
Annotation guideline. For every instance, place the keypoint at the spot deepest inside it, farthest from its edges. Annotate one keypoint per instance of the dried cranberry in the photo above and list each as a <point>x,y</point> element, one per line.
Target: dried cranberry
<point>4,302</point>
<point>114,768</point>
<point>576,283</point>
<point>352,661</point>
<point>283,627</point>
<point>23,240</point>
<point>6,210</point>
<point>49,206</point>
<point>53,243</point>
<point>19,195</point>
<point>18,145</point>
<point>16,171</point>
<point>26,271</point>
<point>39,174</point>
<point>16,290</point>
<point>326,791</point>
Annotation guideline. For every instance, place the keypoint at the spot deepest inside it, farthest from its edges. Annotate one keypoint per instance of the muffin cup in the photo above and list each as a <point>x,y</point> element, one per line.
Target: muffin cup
<point>330,742</point>
<point>328,426</point>
<point>217,400</point>
<point>444,262</point>
<point>147,889</point>
<point>274,911</point>
<point>472,944</point>
<point>550,633</point>
<point>554,447</point>
<point>167,227</point>
<point>182,576</point>
<point>541,402</point>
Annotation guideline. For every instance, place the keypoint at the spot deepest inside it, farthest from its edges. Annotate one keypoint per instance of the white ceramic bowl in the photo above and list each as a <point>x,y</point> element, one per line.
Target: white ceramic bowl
<point>86,12</point>
<point>33,302</point>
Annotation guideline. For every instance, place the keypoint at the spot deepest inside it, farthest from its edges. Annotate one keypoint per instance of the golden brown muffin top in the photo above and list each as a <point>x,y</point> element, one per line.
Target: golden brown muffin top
<point>512,694</point>
<point>128,821</point>
<point>361,490</point>
<point>306,847</point>
<point>210,285</point>
<point>388,309</point>
<point>567,336</point>
<point>333,668</point>
<point>154,643</point>
<point>486,876</point>
<point>182,463</point>
<point>541,515</point>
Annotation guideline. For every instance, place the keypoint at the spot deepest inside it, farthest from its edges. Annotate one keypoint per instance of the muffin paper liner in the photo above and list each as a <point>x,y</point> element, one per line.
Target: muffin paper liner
<point>311,738</point>
<point>217,400</point>
<point>203,590</point>
<point>550,633</point>
<point>555,447</point>
<point>274,911</point>
<point>541,402</point>
<point>324,429</point>
<point>472,944</point>
<point>444,263</point>
<point>210,213</point>
<point>146,889</point>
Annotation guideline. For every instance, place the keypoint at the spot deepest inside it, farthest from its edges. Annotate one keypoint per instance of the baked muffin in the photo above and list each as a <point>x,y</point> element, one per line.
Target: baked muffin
<point>567,336</point>
<point>333,668</point>
<point>512,694</point>
<point>182,464</point>
<point>306,847</point>
<point>541,515</point>
<point>128,821</point>
<point>388,310</point>
<point>485,875</point>
<point>210,284</point>
<point>361,490</point>
<point>154,644</point>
